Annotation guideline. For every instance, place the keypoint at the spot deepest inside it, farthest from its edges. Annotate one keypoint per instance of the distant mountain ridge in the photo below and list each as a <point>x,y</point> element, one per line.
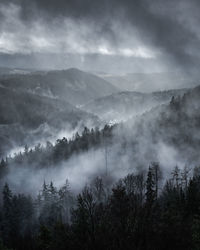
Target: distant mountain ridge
<point>148,82</point>
<point>168,134</point>
<point>167,130</point>
<point>38,105</point>
<point>72,85</point>
<point>26,117</point>
<point>123,105</point>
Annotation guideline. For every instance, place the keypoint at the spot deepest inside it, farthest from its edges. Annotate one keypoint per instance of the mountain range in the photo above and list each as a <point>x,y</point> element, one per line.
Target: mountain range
<point>148,82</point>
<point>38,106</point>
<point>124,105</point>
<point>72,85</point>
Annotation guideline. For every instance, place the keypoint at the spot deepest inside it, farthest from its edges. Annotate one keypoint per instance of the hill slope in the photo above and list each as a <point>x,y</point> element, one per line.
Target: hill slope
<point>124,105</point>
<point>168,133</point>
<point>26,117</point>
<point>153,81</point>
<point>72,85</point>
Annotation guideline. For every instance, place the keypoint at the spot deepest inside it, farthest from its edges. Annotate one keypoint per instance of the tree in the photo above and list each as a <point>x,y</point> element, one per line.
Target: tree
<point>66,201</point>
<point>7,213</point>
<point>118,212</point>
<point>98,190</point>
<point>185,177</point>
<point>44,238</point>
<point>7,198</point>
<point>3,168</point>
<point>176,177</point>
<point>156,175</point>
<point>150,188</point>
<point>83,219</point>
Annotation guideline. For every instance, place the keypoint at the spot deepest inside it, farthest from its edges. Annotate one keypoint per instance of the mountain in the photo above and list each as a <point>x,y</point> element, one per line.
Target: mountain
<point>168,133</point>
<point>152,191</point>
<point>72,85</point>
<point>4,71</point>
<point>123,105</point>
<point>27,118</point>
<point>148,82</point>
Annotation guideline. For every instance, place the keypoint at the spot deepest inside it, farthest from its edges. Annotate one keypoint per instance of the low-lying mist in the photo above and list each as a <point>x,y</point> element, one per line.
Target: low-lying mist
<point>110,160</point>
<point>167,134</point>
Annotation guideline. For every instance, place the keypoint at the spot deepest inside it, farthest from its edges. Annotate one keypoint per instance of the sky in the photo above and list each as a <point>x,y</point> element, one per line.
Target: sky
<point>106,35</point>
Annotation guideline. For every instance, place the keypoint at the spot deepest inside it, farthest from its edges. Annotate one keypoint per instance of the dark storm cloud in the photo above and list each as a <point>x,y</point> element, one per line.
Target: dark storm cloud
<point>167,27</point>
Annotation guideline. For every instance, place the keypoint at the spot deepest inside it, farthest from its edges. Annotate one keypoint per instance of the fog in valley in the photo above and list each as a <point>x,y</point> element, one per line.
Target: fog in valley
<point>127,78</point>
<point>99,121</point>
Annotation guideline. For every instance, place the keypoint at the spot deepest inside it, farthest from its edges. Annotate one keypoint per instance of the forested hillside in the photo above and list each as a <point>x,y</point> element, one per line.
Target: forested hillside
<point>167,130</point>
<point>134,213</point>
<point>124,105</point>
<point>176,125</point>
<point>154,81</point>
<point>132,185</point>
<point>72,85</point>
<point>99,125</point>
<point>26,118</point>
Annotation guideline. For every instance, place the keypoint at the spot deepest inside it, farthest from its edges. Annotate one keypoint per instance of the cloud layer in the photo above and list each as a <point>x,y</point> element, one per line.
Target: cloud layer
<point>166,30</point>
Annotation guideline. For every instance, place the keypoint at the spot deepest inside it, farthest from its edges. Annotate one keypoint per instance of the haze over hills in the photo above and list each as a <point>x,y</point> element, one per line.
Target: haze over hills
<point>27,118</point>
<point>170,129</point>
<point>38,104</point>
<point>148,82</point>
<point>42,106</point>
<point>167,130</point>
<point>99,125</point>
<point>165,136</point>
<point>72,85</point>
<point>9,71</point>
<point>124,105</point>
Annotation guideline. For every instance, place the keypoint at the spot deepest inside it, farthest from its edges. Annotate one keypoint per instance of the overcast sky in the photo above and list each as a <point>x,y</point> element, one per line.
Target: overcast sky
<point>112,35</point>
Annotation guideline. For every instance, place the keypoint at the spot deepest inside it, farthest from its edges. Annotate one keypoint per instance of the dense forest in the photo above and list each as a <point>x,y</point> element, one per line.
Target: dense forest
<point>175,124</point>
<point>52,154</point>
<point>143,210</point>
<point>146,209</point>
<point>99,125</point>
<point>136,212</point>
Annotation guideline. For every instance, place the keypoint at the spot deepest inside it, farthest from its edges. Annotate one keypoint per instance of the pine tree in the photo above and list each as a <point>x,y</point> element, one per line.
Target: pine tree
<point>7,198</point>
<point>66,201</point>
<point>150,188</point>
<point>176,177</point>
<point>7,213</point>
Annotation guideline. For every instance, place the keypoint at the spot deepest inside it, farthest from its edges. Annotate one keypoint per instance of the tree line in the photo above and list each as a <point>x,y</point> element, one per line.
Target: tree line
<point>51,154</point>
<point>136,212</point>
